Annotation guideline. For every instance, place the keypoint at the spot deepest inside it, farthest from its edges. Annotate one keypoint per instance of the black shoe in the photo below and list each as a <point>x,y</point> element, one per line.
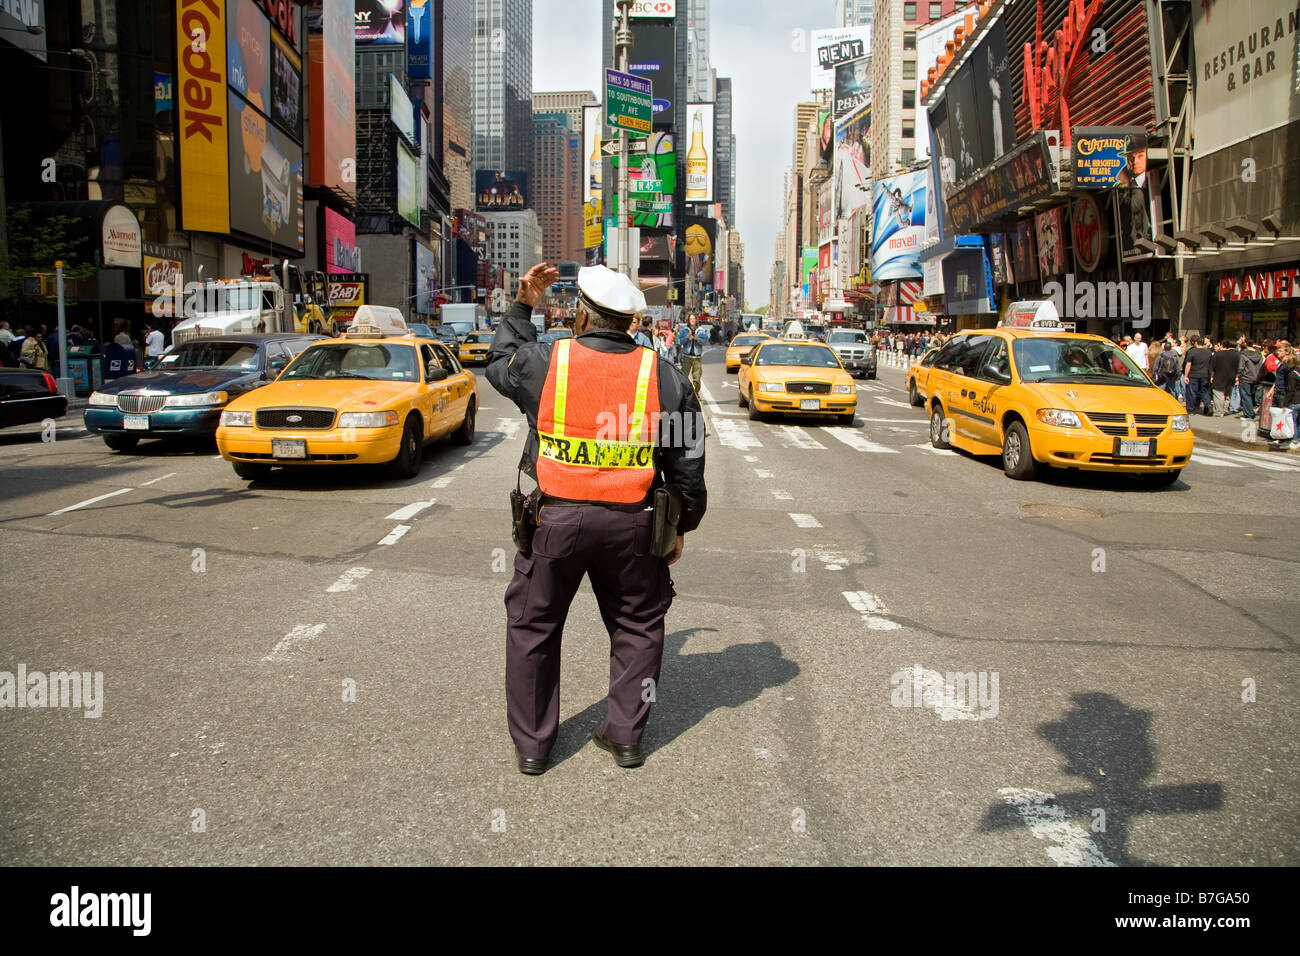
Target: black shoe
<point>532,765</point>
<point>625,755</point>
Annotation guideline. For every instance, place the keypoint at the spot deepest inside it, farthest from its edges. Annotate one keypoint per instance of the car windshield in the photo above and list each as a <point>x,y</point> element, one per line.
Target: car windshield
<point>1075,360</point>
<point>747,339</point>
<point>365,360</point>
<point>231,355</point>
<point>815,356</point>
<point>844,336</point>
<point>479,337</point>
<point>420,329</point>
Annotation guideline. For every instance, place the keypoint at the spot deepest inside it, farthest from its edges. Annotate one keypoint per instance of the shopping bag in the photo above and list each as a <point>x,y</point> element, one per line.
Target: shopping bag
<point>1281,427</point>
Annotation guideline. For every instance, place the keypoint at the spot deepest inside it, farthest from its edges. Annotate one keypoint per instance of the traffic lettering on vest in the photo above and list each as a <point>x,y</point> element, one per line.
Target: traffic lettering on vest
<point>579,456</point>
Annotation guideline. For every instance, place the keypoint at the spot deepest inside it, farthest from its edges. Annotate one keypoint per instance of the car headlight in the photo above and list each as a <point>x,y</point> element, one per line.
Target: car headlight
<point>242,419</point>
<point>771,387</point>
<point>194,401</point>
<point>99,398</point>
<point>1059,417</point>
<point>844,389</point>
<point>367,419</point>
<point>1179,423</point>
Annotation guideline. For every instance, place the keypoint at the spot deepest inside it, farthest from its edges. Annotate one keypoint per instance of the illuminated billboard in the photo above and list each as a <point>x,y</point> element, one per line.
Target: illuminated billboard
<point>333,104</point>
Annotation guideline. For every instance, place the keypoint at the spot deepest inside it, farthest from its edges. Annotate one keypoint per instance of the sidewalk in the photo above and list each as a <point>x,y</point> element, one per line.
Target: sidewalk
<point>1229,430</point>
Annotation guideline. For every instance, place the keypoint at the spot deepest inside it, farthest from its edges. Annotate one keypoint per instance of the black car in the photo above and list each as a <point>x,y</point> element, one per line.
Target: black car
<point>185,393</point>
<point>28,395</point>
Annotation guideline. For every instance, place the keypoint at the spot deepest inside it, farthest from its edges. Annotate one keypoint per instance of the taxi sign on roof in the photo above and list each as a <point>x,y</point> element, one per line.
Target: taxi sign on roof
<point>1032,314</point>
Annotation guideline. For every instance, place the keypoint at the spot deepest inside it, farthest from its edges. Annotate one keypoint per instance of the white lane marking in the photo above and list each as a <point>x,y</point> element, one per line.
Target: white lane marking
<point>471,454</point>
<point>735,435</point>
<point>89,501</point>
<point>792,436</point>
<point>509,427</point>
<point>925,446</point>
<point>299,635</point>
<point>751,458</point>
<point>805,521</point>
<point>444,481</point>
<point>711,404</point>
<point>396,534</point>
<point>1259,459</point>
<point>156,480</point>
<point>1046,821</point>
<point>1269,456</point>
<point>411,510</point>
<point>1201,458</point>
<point>897,421</point>
<point>857,442</point>
<point>348,581</point>
<point>872,388</point>
<point>890,401</point>
<point>218,457</point>
<point>872,610</point>
<point>782,495</point>
<point>730,385</point>
<point>763,473</point>
<point>952,698</point>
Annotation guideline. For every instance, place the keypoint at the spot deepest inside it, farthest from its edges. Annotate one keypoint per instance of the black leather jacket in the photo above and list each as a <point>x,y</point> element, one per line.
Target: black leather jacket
<point>518,365</point>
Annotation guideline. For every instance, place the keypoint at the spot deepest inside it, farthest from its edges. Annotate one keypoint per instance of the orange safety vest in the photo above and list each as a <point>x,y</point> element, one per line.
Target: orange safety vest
<point>589,447</point>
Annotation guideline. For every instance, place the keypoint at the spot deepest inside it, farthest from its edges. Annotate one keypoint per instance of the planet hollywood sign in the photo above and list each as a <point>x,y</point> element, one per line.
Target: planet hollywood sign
<point>1254,286</point>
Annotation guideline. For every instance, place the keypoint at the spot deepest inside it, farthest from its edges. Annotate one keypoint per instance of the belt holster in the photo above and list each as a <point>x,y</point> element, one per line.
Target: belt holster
<point>667,514</point>
<point>523,517</point>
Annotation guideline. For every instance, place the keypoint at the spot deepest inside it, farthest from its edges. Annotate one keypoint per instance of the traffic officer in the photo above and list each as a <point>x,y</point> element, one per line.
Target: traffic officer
<point>598,396</point>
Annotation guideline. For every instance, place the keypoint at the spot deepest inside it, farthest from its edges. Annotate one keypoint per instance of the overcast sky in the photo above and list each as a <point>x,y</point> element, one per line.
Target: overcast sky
<point>751,41</point>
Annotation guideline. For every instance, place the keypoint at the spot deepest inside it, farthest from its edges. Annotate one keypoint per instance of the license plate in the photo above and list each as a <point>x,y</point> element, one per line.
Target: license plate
<point>810,403</point>
<point>289,447</point>
<point>1134,449</point>
<point>135,423</point>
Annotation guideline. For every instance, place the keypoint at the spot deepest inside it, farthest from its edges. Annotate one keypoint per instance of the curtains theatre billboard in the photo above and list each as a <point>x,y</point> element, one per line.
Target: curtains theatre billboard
<point>898,221</point>
<point>1108,156</point>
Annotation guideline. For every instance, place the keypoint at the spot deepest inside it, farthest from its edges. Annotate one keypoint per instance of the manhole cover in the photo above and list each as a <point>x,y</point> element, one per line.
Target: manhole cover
<point>1061,512</point>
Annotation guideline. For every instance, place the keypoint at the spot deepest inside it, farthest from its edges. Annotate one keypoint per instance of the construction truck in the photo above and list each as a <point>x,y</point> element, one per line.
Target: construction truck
<point>270,299</point>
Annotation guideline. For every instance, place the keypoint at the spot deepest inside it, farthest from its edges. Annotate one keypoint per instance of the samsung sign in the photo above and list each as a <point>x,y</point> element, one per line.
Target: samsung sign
<point>662,9</point>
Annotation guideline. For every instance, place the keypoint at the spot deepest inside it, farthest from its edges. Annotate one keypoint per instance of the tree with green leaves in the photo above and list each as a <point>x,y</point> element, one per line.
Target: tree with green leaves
<point>35,244</point>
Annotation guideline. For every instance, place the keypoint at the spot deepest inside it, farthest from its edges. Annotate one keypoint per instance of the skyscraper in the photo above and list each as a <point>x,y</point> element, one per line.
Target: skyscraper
<point>454,38</point>
<point>557,187</point>
<point>699,72</point>
<point>503,85</point>
<point>724,151</point>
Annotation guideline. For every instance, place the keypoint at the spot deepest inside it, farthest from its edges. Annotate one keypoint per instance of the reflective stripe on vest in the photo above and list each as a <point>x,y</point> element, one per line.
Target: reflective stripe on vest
<point>583,452</point>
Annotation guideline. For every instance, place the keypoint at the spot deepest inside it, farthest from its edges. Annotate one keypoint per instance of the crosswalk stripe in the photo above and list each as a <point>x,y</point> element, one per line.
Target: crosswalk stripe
<point>805,521</point>
<point>932,450</point>
<point>857,442</point>
<point>1282,460</point>
<point>795,437</point>
<point>1240,458</point>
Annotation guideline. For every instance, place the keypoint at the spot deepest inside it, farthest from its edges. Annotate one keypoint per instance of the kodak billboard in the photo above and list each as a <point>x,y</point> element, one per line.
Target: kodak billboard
<point>201,115</point>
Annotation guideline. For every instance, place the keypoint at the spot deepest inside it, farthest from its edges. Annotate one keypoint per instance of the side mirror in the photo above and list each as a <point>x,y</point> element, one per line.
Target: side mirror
<point>276,365</point>
<point>1000,375</point>
<point>747,358</point>
<point>435,372</point>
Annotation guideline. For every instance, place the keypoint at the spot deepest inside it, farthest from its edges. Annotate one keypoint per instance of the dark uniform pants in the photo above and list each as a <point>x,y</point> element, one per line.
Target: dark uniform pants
<point>633,591</point>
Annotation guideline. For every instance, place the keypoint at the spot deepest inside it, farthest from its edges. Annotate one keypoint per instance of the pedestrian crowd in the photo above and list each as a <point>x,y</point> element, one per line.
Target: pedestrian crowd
<point>1226,377</point>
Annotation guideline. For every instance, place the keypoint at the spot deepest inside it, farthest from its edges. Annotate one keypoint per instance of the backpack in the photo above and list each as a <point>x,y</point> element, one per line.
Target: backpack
<point>1166,366</point>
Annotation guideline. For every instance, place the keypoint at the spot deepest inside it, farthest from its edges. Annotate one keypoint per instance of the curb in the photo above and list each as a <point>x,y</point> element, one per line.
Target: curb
<point>1260,444</point>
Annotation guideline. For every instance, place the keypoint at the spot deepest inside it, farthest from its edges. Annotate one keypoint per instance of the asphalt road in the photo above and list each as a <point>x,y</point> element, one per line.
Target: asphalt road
<point>805,713</point>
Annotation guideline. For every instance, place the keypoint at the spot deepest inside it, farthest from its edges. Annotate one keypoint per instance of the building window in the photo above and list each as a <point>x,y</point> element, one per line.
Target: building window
<point>909,131</point>
<point>909,39</point>
<point>909,69</point>
<point>936,10</point>
<point>909,156</point>
<point>909,99</point>
<point>909,12</point>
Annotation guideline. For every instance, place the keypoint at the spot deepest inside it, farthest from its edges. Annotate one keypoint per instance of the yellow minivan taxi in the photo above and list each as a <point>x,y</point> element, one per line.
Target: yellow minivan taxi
<point>1039,396</point>
<point>796,378</point>
<point>741,344</point>
<point>358,399</point>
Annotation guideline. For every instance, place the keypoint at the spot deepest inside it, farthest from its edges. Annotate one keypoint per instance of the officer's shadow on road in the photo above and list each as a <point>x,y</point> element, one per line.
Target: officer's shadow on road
<point>691,686</point>
<point>1107,744</point>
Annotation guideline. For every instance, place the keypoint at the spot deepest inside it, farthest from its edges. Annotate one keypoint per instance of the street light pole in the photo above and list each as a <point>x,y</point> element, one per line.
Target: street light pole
<point>623,46</point>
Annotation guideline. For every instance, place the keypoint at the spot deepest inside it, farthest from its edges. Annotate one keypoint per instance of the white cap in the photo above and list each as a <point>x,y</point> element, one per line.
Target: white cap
<point>610,290</point>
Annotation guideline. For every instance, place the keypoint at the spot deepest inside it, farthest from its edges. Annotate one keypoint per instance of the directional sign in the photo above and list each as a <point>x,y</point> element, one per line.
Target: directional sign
<point>629,101</point>
<point>638,146</point>
<point>647,185</point>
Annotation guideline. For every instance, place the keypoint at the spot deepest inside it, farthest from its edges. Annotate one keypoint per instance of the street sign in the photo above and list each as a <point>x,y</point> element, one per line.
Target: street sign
<point>647,185</point>
<point>641,205</point>
<point>638,146</point>
<point>672,295</point>
<point>628,101</point>
<point>610,148</point>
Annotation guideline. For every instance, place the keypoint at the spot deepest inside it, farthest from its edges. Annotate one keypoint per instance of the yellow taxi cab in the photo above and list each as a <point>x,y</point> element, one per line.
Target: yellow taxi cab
<point>796,377</point>
<point>474,347</point>
<point>376,395</point>
<point>1037,394</point>
<point>918,377</point>
<point>741,344</point>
